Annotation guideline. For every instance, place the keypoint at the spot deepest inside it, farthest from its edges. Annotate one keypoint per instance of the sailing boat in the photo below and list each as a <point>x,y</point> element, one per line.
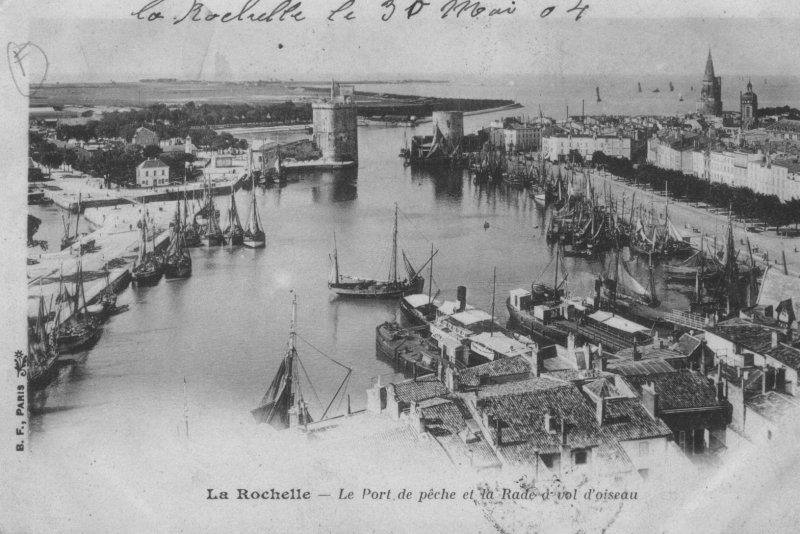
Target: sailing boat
<point>178,261</point>
<point>640,86</point>
<point>68,240</point>
<point>234,232</point>
<point>283,405</point>
<point>147,268</point>
<point>348,286</point>
<point>680,97</point>
<point>521,303</point>
<point>597,90</point>
<point>254,236</point>
<point>620,292</point>
<point>191,234</point>
<point>80,330</point>
<point>213,235</point>
<point>107,300</point>
<point>42,354</point>
<point>671,87</point>
<point>420,309</point>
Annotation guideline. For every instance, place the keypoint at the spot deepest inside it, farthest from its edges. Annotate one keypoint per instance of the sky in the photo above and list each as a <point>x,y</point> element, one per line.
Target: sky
<point>621,37</point>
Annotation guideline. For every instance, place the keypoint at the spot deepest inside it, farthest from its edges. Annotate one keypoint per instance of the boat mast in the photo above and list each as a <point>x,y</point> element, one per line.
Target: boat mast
<point>494,284</point>
<point>430,277</point>
<point>393,264</point>
<point>78,216</point>
<point>335,258</point>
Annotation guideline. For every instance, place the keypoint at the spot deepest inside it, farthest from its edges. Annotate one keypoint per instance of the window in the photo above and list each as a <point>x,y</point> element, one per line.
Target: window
<point>644,448</point>
<point>580,457</point>
<point>146,173</point>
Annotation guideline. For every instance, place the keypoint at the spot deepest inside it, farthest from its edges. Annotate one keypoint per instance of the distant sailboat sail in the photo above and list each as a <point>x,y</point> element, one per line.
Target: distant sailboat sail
<point>597,90</point>
<point>671,87</point>
<point>640,87</point>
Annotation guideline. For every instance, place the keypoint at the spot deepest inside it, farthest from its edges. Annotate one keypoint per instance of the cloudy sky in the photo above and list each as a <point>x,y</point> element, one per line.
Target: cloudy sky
<point>105,43</point>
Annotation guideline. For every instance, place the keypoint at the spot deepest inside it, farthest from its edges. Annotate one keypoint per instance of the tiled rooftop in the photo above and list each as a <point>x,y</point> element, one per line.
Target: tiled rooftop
<point>680,390</point>
<point>494,369</point>
<point>423,388</point>
<point>787,355</point>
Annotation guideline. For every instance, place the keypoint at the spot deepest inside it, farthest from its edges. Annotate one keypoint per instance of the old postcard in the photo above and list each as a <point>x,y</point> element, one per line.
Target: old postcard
<point>400,266</point>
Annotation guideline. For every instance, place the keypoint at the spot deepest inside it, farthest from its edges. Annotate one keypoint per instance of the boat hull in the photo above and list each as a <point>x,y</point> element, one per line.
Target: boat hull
<point>254,243</point>
<point>178,270</point>
<point>406,351</point>
<point>68,344</point>
<point>380,290</point>
<point>528,323</point>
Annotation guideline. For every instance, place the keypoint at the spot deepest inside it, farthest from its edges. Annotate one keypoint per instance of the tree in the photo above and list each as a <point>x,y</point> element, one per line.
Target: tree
<point>151,151</point>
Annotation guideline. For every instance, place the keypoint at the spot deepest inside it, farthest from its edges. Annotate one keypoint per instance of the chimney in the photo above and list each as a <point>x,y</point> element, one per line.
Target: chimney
<point>764,381</point>
<point>703,346</point>
<point>452,382</point>
<point>571,345</point>
<point>722,386</point>
<point>775,342</point>
<point>636,354</point>
<point>650,399</point>
<point>601,361</point>
<point>535,361</point>
<point>461,295</point>
<point>600,410</point>
<point>656,341</point>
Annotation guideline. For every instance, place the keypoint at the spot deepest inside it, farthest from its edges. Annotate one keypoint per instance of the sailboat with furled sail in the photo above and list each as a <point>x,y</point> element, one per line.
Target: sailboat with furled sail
<point>234,233</point>
<point>40,365</point>
<point>620,292</point>
<point>80,329</point>
<point>283,405</point>
<point>68,240</point>
<point>148,267</point>
<point>348,286</point>
<point>254,236</point>
<point>178,261</point>
<point>213,235</point>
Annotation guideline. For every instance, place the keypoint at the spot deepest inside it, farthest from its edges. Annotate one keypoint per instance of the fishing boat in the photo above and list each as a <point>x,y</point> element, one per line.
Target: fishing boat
<point>536,309</point>
<point>191,232</point>
<point>680,97</point>
<point>40,365</point>
<point>106,303</point>
<point>68,240</point>
<point>254,236</point>
<point>620,292</point>
<point>213,235</point>
<point>656,90</point>
<point>234,233</point>
<point>348,286</point>
<point>420,309</point>
<point>640,86</point>
<point>283,405</point>
<point>597,90</point>
<point>671,87</point>
<point>177,260</point>
<point>80,329</point>
<point>148,267</point>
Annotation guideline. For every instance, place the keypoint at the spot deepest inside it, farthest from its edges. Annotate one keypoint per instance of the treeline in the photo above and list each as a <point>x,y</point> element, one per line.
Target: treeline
<point>180,121</point>
<point>744,202</point>
<point>791,113</point>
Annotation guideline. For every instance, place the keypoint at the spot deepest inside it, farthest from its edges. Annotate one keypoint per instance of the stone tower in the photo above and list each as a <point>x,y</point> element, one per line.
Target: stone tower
<point>710,102</point>
<point>748,105</point>
<point>336,125</point>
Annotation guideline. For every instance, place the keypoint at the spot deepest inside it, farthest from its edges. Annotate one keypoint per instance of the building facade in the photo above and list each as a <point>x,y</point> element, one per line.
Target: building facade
<point>144,137</point>
<point>710,102</point>
<point>522,137</point>
<point>558,147</point>
<point>151,173</point>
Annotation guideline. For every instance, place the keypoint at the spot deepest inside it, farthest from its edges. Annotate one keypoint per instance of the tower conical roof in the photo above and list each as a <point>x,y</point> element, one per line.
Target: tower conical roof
<point>709,67</point>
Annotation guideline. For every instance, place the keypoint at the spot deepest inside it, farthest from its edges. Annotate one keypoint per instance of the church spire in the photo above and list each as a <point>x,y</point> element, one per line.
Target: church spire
<point>749,86</point>
<point>709,67</point>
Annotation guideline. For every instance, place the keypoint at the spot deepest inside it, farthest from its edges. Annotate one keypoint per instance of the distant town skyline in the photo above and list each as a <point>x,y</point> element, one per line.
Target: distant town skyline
<point>93,50</point>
